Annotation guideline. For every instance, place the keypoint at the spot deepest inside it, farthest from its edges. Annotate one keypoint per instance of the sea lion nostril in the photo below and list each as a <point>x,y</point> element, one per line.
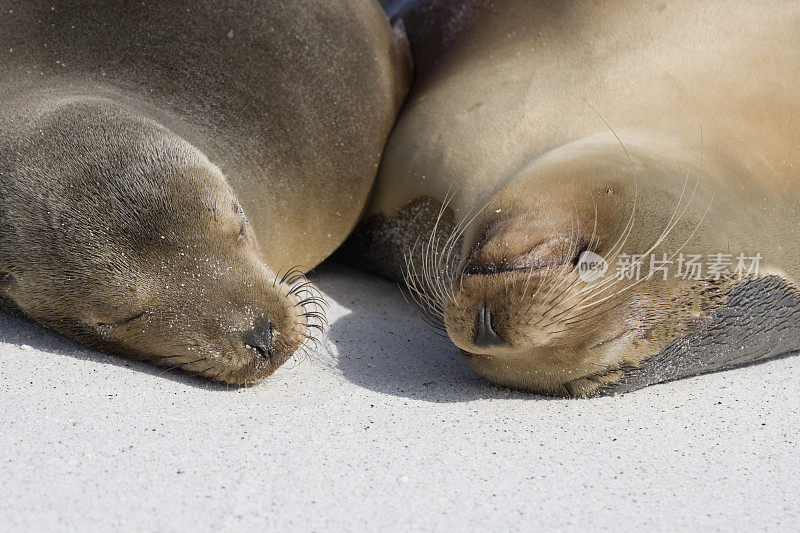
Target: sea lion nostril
<point>485,334</point>
<point>260,340</point>
<point>583,247</point>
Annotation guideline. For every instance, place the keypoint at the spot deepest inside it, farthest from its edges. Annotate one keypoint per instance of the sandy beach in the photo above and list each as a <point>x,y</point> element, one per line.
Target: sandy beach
<point>385,429</point>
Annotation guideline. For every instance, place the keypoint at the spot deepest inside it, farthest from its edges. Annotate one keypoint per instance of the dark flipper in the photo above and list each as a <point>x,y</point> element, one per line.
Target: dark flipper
<point>759,320</point>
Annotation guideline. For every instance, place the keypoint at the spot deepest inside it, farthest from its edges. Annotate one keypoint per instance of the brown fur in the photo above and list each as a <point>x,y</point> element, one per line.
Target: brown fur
<point>552,128</point>
<point>161,162</point>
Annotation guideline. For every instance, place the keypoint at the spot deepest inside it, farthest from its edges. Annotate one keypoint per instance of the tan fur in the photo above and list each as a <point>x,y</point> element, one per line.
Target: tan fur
<point>660,126</point>
<point>161,162</point>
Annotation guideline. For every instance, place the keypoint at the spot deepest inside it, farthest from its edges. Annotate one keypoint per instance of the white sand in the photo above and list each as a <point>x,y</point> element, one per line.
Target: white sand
<point>392,432</point>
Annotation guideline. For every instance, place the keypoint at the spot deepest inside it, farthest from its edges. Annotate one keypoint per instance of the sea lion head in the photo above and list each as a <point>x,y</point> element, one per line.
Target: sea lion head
<point>541,299</point>
<point>130,240</point>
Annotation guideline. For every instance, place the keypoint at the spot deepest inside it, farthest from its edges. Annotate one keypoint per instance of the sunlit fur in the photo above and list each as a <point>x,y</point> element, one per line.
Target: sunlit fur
<point>518,255</point>
<point>546,128</point>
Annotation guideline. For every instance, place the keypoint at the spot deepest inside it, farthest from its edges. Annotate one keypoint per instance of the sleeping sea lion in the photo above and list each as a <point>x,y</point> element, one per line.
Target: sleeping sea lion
<point>165,167</point>
<point>591,197</point>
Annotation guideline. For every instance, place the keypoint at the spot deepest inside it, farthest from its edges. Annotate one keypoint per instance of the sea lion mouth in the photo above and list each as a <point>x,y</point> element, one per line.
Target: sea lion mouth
<point>261,351</point>
<point>239,345</point>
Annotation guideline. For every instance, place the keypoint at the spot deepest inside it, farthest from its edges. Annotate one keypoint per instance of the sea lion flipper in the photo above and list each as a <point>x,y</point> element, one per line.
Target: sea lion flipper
<point>758,320</point>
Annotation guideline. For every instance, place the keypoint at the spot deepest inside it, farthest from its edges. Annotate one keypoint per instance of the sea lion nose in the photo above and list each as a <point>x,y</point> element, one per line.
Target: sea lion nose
<point>485,335</point>
<point>259,339</point>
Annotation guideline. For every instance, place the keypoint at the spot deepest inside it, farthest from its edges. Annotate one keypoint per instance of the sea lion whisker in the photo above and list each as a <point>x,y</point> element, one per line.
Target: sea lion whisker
<point>615,250</point>
<point>600,288</point>
<point>556,300</point>
<point>450,243</point>
<point>462,227</point>
<point>288,273</point>
<point>542,283</point>
<point>425,297</point>
<point>634,284</point>
<point>434,268</point>
<point>412,282</point>
<point>426,280</point>
<point>275,281</point>
<point>675,218</point>
<point>301,286</point>
<point>623,234</point>
<point>316,315</point>
<point>609,127</point>
<point>307,295</point>
<point>572,251</point>
<point>552,302</point>
<point>697,226</point>
<point>431,320</point>
<point>314,296</point>
<point>708,206</point>
<point>613,281</point>
<point>696,183</point>
<point>295,278</point>
<point>411,277</point>
<point>592,289</point>
<point>568,309</point>
<point>318,300</point>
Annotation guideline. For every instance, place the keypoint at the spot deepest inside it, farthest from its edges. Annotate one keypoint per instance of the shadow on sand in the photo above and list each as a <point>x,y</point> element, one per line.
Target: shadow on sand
<point>383,345</point>
<point>20,331</point>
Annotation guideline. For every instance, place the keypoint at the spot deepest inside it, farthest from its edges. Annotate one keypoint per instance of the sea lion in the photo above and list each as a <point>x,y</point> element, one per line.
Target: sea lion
<point>165,167</point>
<point>549,150</point>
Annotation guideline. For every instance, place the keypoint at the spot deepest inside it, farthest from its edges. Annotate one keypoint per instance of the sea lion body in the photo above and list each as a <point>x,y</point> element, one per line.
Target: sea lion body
<point>166,159</point>
<point>556,128</point>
